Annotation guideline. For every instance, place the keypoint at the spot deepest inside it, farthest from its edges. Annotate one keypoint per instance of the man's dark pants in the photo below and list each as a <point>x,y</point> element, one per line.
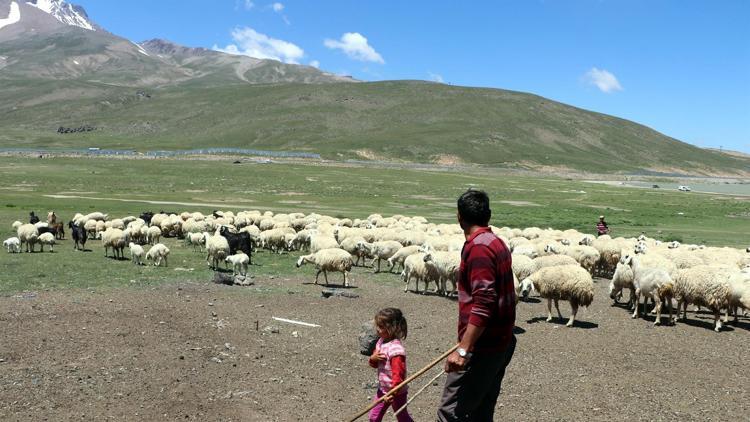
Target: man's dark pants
<point>471,395</point>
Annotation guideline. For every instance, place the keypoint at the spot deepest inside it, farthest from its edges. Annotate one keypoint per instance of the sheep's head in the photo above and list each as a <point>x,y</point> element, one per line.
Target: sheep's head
<point>301,261</point>
<point>586,241</point>
<point>565,242</point>
<point>673,245</point>
<point>627,259</point>
<point>527,286</point>
<point>427,257</point>
<point>613,291</point>
<point>550,249</point>
<point>640,248</point>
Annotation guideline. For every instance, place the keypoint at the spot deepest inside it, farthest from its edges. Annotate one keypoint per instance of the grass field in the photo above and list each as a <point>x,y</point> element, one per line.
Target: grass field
<point>124,187</point>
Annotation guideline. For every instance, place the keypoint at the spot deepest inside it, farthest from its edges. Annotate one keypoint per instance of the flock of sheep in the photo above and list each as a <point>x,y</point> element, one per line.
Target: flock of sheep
<point>558,265</point>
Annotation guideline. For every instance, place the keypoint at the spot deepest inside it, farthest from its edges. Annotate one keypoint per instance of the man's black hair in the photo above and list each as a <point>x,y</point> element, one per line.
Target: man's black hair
<point>474,208</point>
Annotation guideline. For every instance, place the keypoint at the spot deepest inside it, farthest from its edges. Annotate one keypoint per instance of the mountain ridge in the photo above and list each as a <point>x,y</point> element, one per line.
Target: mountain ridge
<point>161,95</point>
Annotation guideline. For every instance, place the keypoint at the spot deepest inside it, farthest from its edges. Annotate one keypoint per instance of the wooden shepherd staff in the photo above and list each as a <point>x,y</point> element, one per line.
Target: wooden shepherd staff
<point>404,382</point>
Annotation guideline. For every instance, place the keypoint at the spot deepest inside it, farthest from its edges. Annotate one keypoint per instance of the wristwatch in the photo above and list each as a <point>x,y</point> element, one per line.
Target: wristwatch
<point>462,352</point>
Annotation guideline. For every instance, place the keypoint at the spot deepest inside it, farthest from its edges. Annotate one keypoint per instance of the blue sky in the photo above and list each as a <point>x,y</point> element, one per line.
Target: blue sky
<point>680,67</point>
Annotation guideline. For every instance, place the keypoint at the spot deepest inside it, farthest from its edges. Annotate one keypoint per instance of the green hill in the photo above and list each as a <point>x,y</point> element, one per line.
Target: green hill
<point>394,121</point>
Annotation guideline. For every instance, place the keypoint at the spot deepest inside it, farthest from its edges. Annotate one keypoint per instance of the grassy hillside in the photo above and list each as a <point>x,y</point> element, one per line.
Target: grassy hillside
<point>397,120</point>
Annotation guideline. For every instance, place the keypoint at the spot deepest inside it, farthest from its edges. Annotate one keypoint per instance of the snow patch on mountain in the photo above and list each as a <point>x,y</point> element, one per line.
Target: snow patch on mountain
<point>13,17</point>
<point>64,12</point>
<point>140,49</point>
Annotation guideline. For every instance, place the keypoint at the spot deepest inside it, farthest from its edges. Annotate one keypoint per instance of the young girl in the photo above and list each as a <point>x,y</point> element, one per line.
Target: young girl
<point>390,359</point>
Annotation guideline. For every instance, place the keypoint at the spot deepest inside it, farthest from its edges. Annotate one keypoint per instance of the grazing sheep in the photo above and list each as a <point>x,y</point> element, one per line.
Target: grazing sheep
<point>586,256</point>
<point>651,282</point>
<point>320,241</point>
<point>13,244</point>
<point>28,234</point>
<point>550,261</point>
<point>239,263</point>
<point>195,239</point>
<point>350,244</point>
<point>136,253</point>
<point>153,235</point>
<point>446,266</point>
<point>115,239</point>
<point>740,294</point>
<point>565,282</point>
<point>400,256</point>
<point>416,268</point>
<point>379,250</point>
<point>622,279</point>
<point>46,239</point>
<point>523,266</point>
<point>158,253</point>
<point>78,233</point>
<point>325,260</point>
<point>703,285</point>
<point>273,240</point>
<point>217,249</point>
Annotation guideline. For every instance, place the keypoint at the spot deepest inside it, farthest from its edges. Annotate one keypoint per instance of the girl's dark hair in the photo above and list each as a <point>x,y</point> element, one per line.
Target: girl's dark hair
<point>392,321</point>
<point>474,208</point>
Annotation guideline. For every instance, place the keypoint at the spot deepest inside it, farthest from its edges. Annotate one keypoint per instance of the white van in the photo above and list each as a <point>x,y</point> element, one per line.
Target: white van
<point>683,188</point>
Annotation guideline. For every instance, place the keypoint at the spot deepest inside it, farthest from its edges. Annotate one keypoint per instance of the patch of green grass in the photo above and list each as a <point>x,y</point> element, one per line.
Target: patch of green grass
<point>122,187</point>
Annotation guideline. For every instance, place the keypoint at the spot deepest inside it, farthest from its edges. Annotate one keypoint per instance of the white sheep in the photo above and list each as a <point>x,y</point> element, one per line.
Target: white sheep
<point>523,266</point>
<point>115,239</point>
<point>46,239</point>
<point>622,279</point>
<point>153,235</point>
<point>325,260</point>
<point>350,244</point>
<point>564,282</point>
<point>239,263</point>
<point>158,253</point>
<point>136,253</point>
<point>16,224</point>
<point>321,241</point>
<point>446,266</point>
<point>195,239</point>
<point>13,244</point>
<point>381,250</point>
<point>400,255</point>
<point>703,285</point>
<point>416,268</point>
<point>28,234</point>
<point>651,282</point>
<point>217,249</point>
<point>586,256</point>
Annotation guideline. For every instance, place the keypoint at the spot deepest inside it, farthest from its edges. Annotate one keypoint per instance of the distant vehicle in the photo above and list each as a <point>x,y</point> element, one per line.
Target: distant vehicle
<point>683,188</point>
<point>655,186</point>
<point>94,149</point>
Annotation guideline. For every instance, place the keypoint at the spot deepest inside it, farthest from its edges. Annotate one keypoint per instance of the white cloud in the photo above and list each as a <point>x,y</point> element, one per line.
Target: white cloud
<point>277,7</point>
<point>434,77</point>
<point>315,64</point>
<point>605,81</point>
<point>249,4</point>
<point>355,46</point>
<point>251,43</point>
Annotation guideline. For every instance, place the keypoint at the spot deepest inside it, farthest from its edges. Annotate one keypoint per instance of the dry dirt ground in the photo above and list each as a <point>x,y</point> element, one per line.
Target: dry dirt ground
<point>192,352</point>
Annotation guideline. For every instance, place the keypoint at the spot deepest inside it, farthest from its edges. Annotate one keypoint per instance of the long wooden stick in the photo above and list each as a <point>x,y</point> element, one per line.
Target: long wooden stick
<point>403,383</point>
<point>414,396</point>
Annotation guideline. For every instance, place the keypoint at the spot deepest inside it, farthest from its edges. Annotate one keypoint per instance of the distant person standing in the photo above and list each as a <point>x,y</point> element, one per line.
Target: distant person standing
<point>33,219</point>
<point>601,226</point>
<point>486,317</point>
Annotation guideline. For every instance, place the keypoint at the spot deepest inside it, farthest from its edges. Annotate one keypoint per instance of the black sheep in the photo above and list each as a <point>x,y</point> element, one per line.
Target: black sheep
<point>238,242</point>
<point>79,235</point>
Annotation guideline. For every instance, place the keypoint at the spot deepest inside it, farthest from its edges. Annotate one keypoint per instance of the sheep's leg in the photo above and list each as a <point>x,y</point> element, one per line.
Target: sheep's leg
<point>325,275</point>
<point>657,308</point>
<point>166,263</point>
<point>346,279</point>
<point>574,310</point>
<point>717,320</point>
<point>683,305</point>
<point>549,310</point>
<point>557,307</point>
<point>406,282</point>
<point>726,314</point>
<point>317,275</point>
<point>637,302</point>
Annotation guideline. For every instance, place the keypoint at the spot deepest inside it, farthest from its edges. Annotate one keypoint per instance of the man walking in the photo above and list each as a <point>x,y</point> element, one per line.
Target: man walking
<point>486,317</point>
